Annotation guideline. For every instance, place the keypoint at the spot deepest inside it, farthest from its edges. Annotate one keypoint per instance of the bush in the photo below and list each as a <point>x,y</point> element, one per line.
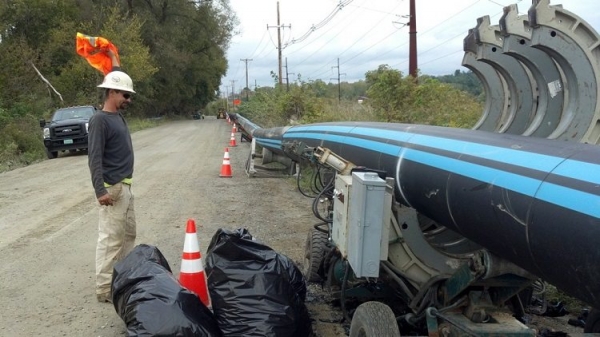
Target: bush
<point>20,143</point>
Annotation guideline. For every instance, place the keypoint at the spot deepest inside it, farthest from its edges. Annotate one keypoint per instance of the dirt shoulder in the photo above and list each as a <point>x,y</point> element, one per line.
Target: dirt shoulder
<point>48,225</point>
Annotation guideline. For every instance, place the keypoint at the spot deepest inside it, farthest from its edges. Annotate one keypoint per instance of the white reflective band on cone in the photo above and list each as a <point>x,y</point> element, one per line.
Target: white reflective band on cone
<point>191,266</point>
<point>190,245</point>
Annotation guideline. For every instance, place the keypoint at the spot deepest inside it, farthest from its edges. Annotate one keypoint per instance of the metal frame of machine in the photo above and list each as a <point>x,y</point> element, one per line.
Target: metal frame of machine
<point>469,219</point>
<point>469,225</point>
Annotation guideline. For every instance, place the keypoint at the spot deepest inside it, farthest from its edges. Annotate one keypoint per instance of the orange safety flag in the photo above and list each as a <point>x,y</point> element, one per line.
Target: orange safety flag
<point>93,49</point>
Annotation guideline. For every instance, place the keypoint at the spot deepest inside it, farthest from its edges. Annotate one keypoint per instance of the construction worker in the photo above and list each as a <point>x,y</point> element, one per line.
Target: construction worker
<point>110,159</point>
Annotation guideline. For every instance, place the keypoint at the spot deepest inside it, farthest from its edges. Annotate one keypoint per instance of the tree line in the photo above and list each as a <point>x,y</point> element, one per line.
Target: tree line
<point>173,49</point>
<point>386,95</point>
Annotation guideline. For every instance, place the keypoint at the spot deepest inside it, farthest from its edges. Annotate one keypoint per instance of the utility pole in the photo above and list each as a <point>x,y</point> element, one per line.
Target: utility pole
<point>287,76</point>
<point>279,54</point>
<point>233,94</point>
<point>338,79</point>
<point>412,54</point>
<point>247,88</point>
<point>226,98</point>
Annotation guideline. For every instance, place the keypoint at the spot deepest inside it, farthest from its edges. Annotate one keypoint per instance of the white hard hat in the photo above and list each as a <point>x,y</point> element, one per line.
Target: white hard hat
<point>117,80</point>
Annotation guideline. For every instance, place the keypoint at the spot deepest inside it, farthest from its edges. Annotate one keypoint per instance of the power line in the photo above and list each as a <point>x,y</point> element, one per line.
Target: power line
<point>421,34</point>
<point>449,18</point>
<point>261,41</point>
<point>439,45</point>
<point>321,24</point>
<point>262,53</point>
<point>442,57</point>
<point>432,28</point>
<point>370,9</point>
<point>373,45</point>
<point>361,37</point>
<point>349,22</point>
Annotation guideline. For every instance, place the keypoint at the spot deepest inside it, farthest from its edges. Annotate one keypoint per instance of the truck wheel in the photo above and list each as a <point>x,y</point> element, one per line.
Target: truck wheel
<point>374,319</point>
<point>51,154</point>
<point>313,254</point>
<point>592,322</point>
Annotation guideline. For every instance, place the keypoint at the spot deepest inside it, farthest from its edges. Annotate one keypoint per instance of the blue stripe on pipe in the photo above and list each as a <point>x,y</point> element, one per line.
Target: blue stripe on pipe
<point>558,195</point>
<point>572,168</point>
<point>530,160</point>
<point>579,170</point>
<point>391,149</point>
<point>555,194</point>
<point>524,185</point>
<point>578,201</point>
<point>270,142</point>
<point>324,128</point>
<point>510,156</point>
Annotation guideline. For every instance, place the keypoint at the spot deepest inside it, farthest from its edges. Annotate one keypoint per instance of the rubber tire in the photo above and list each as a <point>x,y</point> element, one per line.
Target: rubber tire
<point>52,154</point>
<point>592,322</point>
<point>374,319</point>
<point>313,254</point>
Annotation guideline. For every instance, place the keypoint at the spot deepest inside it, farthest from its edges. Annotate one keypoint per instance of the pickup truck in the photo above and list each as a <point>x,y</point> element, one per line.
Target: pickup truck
<point>67,130</point>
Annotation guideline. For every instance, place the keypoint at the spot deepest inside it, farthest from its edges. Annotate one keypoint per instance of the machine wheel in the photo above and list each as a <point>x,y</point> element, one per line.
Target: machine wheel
<point>51,154</point>
<point>313,254</point>
<point>592,322</point>
<point>374,319</point>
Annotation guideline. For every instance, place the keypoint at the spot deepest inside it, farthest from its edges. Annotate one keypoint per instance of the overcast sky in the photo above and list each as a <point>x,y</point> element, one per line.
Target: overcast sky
<point>363,34</point>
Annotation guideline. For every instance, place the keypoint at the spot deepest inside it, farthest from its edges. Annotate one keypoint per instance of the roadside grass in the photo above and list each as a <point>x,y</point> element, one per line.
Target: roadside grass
<point>137,124</point>
<point>572,305</point>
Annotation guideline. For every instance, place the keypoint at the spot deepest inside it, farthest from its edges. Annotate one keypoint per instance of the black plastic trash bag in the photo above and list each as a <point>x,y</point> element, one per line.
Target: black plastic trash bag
<point>151,301</point>
<point>255,291</point>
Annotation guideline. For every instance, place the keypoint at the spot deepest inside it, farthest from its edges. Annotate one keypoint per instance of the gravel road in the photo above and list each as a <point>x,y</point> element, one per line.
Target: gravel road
<point>48,227</point>
<point>48,224</point>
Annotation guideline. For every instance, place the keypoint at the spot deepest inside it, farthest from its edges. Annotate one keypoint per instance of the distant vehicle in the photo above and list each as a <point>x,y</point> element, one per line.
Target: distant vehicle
<point>67,130</point>
<point>221,114</point>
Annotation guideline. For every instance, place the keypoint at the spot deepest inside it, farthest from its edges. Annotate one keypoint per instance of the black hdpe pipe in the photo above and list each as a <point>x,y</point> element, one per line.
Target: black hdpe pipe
<point>532,201</point>
<point>244,125</point>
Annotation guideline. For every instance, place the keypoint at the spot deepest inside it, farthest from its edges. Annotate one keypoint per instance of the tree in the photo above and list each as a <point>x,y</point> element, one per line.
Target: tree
<point>400,99</point>
<point>174,50</point>
<point>466,81</point>
<point>390,94</point>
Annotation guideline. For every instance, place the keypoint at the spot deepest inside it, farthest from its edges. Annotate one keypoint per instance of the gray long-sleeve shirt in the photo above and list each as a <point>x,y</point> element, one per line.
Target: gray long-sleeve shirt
<point>110,151</point>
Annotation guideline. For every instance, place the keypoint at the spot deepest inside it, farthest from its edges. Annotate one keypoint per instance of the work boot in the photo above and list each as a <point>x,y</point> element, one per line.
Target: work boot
<point>104,298</point>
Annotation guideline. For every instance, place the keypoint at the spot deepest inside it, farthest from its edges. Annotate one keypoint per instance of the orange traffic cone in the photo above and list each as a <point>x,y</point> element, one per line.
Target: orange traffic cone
<point>235,129</point>
<point>192,275</point>
<point>232,142</point>
<point>226,167</point>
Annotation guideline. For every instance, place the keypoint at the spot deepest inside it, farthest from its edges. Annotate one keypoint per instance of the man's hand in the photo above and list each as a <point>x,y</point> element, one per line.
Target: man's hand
<point>105,200</point>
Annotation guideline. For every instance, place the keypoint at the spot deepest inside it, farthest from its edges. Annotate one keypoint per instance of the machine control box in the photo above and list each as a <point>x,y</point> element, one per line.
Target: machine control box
<point>341,202</point>
<point>361,220</point>
<point>366,219</point>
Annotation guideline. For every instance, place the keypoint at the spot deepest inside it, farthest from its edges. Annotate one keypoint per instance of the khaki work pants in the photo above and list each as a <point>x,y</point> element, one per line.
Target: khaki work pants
<point>116,234</point>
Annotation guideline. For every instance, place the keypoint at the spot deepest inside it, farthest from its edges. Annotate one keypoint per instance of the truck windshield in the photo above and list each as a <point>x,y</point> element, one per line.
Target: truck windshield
<point>73,113</point>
